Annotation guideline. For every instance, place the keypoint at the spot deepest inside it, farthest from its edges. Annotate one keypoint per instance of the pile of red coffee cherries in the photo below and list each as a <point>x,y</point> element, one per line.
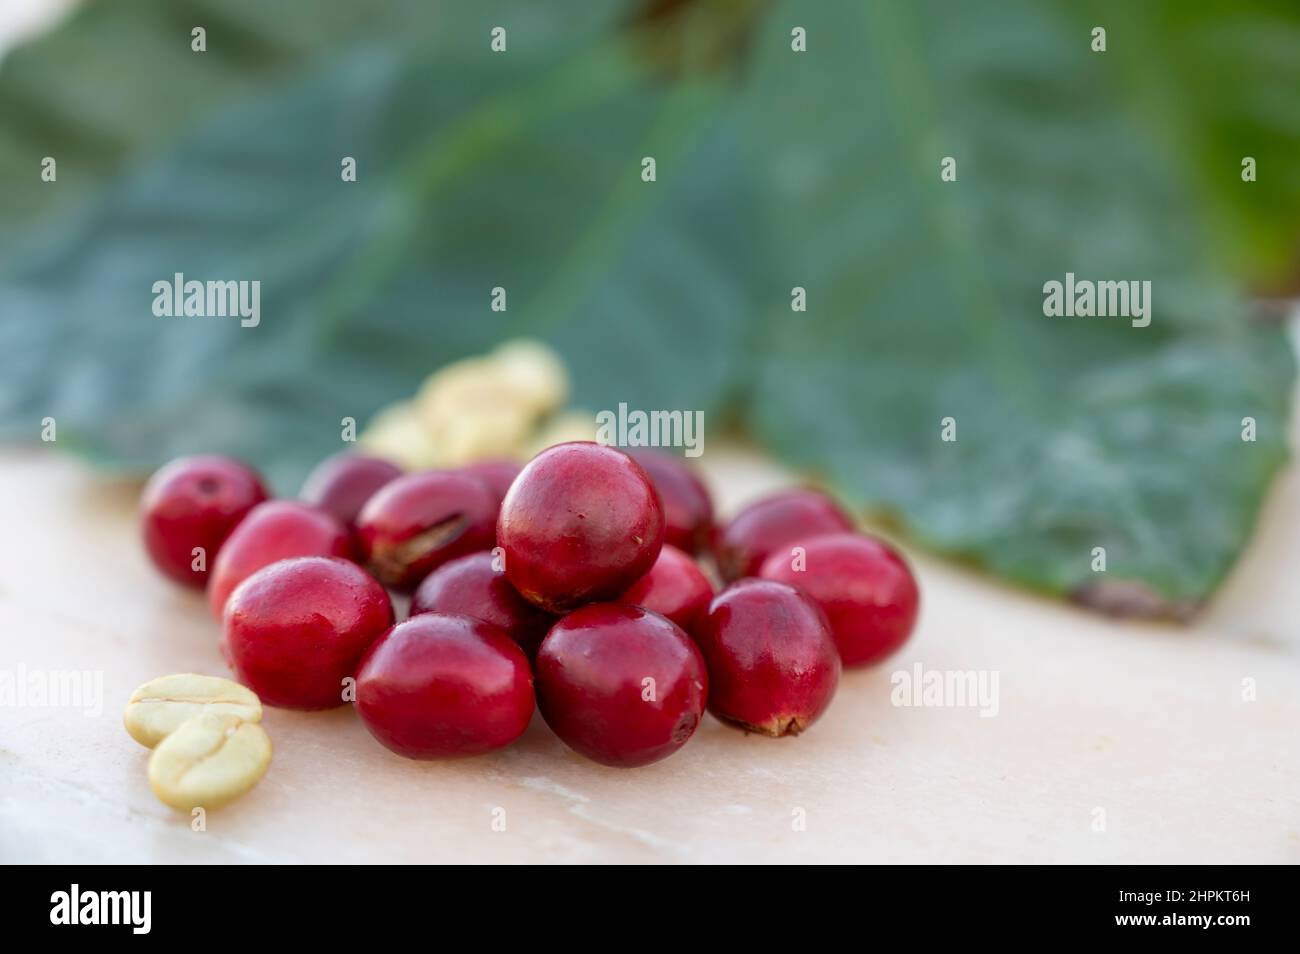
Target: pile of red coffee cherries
<point>570,584</point>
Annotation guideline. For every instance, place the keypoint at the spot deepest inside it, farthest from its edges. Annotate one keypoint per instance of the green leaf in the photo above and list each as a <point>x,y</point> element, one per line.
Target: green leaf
<point>775,169</point>
<point>475,170</point>
<point>119,81</point>
<point>926,302</point>
<point>1216,82</point>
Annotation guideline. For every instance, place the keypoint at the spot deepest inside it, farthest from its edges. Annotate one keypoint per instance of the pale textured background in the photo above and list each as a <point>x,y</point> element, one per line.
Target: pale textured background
<point>1146,722</point>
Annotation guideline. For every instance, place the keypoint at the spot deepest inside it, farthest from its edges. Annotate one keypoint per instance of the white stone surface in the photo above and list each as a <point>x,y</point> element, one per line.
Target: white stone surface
<point>1144,722</point>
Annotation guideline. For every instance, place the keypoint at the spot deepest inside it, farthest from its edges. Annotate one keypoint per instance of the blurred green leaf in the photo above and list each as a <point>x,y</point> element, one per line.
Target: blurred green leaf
<point>1215,81</point>
<point>926,301</point>
<point>475,170</point>
<point>775,169</point>
<point>119,80</point>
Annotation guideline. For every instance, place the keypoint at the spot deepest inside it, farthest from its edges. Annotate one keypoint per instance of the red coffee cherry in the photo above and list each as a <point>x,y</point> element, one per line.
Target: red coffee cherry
<point>497,474</point>
<point>581,523</point>
<point>275,530</point>
<point>293,631</point>
<point>194,503</point>
<point>620,684</point>
<point>866,590</point>
<point>675,587</point>
<point>416,523</point>
<point>439,686</point>
<point>341,485</point>
<point>772,522</point>
<point>687,506</point>
<point>773,666</point>
<point>471,586</point>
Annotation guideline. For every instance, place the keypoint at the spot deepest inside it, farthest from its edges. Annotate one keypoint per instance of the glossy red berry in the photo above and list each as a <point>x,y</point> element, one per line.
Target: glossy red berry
<point>293,631</point>
<point>439,686</point>
<point>675,587</point>
<point>192,504</point>
<point>416,523</point>
<point>866,590</point>
<point>773,666</point>
<point>341,485</point>
<point>769,524</point>
<point>472,586</point>
<point>687,506</point>
<point>497,474</point>
<point>621,685</point>
<point>581,523</point>
<point>275,530</point>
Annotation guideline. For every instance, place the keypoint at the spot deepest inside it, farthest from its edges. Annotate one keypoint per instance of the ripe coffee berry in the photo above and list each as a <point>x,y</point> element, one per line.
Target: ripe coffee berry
<point>341,485</point>
<point>497,474</point>
<point>472,586</point>
<point>866,590</point>
<point>275,530</point>
<point>675,587</point>
<point>581,523</point>
<point>192,504</point>
<point>688,509</point>
<point>620,684</point>
<point>773,666</point>
<point>293,631</point>
<point>419,522</point>
<point>438,686</point>
<point>768,524</point>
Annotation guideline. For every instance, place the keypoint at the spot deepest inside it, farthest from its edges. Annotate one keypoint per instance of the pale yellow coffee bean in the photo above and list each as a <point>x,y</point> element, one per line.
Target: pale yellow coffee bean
<point>397,433</point>
<point>479,407</point>
<point>156,709</point>
<point>569,426</point>
<point>457,389</point>
<point>534,373</point>
<point>209,760</point>
<point>490,432</point>
<point>522,376</point>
